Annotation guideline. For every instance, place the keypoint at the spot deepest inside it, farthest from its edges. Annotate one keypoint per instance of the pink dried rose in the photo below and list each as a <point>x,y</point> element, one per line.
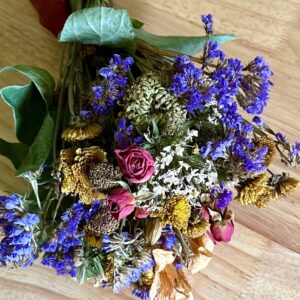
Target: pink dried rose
<point>136,163</point>
<point>222,230</point>
<point>141,213</point>
<point>204,213</point>
<point>120,203</point>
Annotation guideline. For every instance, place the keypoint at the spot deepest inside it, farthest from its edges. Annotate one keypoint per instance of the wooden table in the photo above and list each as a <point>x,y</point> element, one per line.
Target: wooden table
<point>262,261</point>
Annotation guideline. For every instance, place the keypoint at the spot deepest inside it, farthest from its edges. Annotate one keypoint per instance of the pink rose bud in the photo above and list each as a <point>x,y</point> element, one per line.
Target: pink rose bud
<point>204,213</point>
<point>136,163</point>
<point>222,231</point>
<point>120,203</point>
<point>141,213</point>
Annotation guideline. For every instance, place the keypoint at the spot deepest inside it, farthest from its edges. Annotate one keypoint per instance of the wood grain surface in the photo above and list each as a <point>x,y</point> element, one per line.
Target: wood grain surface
<point>262,261</point>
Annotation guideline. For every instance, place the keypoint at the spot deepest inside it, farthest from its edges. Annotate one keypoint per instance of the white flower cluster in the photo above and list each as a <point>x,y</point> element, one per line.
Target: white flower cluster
<point>182,179</point>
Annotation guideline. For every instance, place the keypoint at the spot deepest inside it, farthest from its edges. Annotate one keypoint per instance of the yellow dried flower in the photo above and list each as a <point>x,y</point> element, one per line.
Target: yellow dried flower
<point>266,141</point>
<point>75,166</point>
<point>147,278</point>
<point>81,132</point>
<point>253,190</point>
<point>285,186</point>
<point>264,199</point>
<point>198,229</point>
<point>93,241</point>
<point>176,212</point>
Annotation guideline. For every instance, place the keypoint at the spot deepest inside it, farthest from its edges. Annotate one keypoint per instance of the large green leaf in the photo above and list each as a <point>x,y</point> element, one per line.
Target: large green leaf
<point>28,108</point>
<point>34,126</point>
<point>13,151</point>
<point>43,81</point>
<point>99,26</point>
<point>40,148</point>
<point>189,45</point>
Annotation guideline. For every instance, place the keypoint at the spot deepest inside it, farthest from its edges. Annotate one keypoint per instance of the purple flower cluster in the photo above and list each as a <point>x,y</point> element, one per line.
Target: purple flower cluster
<point>61,248</point>
<point>222,196</point>
<point>113,85</point>
<point>141,292</point>
<point>207,21</point>
<point>168,238</point>
<point>18,247</point>
<point>255,86</point>
<point>123,136</point>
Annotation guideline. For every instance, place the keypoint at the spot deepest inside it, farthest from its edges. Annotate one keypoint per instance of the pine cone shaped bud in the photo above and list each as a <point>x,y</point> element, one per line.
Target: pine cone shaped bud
<point>81,131</point>
<point>285,186</point>
<point>264,199</point>
<point>153,231</point>
<point>146,98</point>
<point>102,223</point>
<point>103,176</point>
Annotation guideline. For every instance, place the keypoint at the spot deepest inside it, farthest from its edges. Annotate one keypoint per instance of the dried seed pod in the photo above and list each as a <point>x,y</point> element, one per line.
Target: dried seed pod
<point>102,223</point>
<point>104,176</point>
<point>153,231</point>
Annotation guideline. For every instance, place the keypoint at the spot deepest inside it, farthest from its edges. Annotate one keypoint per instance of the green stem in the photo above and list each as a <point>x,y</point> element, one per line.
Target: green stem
<point>57,207</point>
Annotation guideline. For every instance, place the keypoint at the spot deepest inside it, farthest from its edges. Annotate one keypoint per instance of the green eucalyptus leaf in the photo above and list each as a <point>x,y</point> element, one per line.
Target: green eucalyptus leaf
<point>15,152</point>
<point>43,81</point>
<point>40,148</point>
<point>189,45</point>
<point>99,26</point>
<point>136,23</point>
<point>34,126</point>
<point>28,108</point>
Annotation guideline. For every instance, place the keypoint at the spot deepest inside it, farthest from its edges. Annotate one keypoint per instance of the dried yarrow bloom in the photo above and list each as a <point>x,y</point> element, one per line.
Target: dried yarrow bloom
<point>253,189</point>
<point>147,97</point>
<point>92,241</point>
<point>283,185</point>
<point>198,229</point>
<point>101,223</point>
<point>264,199</point>
<point>147,278</point>
<point>75,166</point>
<point>81,131</point>
<point>176,212</point>
<point>265,141</point>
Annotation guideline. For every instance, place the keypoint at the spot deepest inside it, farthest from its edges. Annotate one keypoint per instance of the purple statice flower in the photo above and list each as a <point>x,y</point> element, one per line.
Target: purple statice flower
<point>281,138</point>
<point>207,21</point>
<point>141,293</point>
<point>255,85</point>
<point>294,154</point>
<point>17,248</point>
<point>61,247</point>
<point>123,135</point>
<point>112,87</point>
<point>168,238</point>
<point>259,121</point>
<point>222,196</point>
<point>213,51</point>
<point>218,148</point>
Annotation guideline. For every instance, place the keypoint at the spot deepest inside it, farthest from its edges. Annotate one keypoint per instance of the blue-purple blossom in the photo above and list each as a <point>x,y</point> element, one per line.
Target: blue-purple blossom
<point>259,121</point>
<point>18,247</point>
<point>207,21</point>
<point>112,87</point>
<point>123,136</point>
<point>213,51</point>
<point>222,196</point>
<point>255,86</point>
<point>141,293</point>
<point>61,247</point>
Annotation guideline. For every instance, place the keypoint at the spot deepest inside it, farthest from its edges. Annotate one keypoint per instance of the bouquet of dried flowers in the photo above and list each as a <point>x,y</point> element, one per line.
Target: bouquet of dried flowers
<point>136,155</point>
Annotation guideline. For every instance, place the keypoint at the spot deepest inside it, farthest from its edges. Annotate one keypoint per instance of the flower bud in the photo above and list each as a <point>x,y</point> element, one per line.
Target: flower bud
<point>222,231</point>
<point>153,231</point>
<point>204,213</point>
<point>141,213</point>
